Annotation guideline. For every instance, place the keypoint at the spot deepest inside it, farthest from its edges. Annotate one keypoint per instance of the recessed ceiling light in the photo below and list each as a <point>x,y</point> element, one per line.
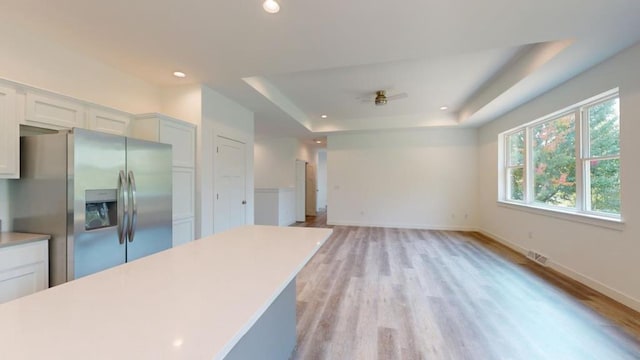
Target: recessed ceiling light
<point>271,6</point>
<point>179,74</point>
<point>444,108</point>
<point>323,116</point>
<point>318,141</point>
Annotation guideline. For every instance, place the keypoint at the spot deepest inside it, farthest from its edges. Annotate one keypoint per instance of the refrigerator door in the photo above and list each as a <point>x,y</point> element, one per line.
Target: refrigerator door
<point>95,162</point>
<point>150,181</point>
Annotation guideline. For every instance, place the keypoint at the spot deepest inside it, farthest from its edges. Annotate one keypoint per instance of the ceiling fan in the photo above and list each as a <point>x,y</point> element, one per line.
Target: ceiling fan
<point>381,97</point>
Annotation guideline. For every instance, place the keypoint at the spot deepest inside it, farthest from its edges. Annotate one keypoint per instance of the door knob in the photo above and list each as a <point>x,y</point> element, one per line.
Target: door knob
<point>244,202</point>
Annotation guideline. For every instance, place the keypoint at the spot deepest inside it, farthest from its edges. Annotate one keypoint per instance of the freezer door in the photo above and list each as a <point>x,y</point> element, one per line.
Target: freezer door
<point>150,178</point>
<point>95,162</point>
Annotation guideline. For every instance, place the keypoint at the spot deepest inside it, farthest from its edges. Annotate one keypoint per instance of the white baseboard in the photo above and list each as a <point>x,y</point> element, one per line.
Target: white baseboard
<point>403,226</point>
<point>592,283</point>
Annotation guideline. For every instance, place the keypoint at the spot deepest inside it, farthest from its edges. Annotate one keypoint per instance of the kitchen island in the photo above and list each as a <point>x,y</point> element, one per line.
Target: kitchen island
<point>226,296</point>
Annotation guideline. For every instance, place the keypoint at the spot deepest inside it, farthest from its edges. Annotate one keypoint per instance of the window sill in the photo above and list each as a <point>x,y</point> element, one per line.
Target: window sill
<point>600,221</point>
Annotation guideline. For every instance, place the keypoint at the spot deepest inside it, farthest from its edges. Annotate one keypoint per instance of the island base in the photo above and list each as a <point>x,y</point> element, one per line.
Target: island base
<point>273,336</point>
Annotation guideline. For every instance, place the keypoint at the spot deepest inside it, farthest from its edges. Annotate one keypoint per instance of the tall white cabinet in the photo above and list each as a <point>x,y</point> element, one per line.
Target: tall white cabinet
<point>182,136</point>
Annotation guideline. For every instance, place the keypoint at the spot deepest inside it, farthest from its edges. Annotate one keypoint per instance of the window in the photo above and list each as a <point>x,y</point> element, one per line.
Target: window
<point>567,161</point>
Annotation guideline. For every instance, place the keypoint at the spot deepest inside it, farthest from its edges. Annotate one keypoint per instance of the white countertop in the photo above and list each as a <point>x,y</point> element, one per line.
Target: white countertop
<point>191,302</point>
<point>14,238</point>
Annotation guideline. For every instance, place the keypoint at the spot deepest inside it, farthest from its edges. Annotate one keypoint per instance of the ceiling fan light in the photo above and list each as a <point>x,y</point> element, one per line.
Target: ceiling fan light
<point>381,98</point>
<point>271,6</point>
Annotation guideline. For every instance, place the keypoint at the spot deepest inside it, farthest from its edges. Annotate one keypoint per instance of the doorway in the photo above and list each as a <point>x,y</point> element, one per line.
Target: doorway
<point>230,183</point>
<point>301,179</point>
<point>311,190</point>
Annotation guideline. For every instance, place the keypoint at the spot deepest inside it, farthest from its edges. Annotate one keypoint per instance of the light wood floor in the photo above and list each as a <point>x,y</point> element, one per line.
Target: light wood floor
<point>374,293</point>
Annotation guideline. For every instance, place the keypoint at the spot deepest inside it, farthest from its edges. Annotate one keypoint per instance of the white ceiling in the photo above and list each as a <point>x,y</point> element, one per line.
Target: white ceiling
<point>480,58</point>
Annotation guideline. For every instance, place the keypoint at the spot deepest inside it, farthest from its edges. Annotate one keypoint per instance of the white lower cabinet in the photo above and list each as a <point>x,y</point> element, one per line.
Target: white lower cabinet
<point>24,269</point>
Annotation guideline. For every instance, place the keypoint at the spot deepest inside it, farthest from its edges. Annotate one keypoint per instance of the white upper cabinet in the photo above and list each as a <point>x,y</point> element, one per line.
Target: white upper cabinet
<point>53,112</point>
<point>9,134</point>
<point>181,135</point>
<point>109,121</point>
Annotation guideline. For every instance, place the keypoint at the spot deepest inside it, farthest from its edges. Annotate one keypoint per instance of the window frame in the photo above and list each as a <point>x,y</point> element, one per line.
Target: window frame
<point>508,166</point>
<point>583,157</point>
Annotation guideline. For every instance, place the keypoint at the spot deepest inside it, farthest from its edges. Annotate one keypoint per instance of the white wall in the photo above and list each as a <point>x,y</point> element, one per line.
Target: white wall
<point>275,167</point>
<point>183,102</point>
<point>223,117</point>
<point>605,259</point>
<point>417,179</point>
<point>30,59</point>
<point>306,152</point>
<point>275,162</point>
<point>322,179</point>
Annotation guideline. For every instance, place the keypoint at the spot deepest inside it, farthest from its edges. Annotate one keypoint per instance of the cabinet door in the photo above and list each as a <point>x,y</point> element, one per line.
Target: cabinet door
<point>182,138</point>
<point>23,270</point>
<point>52,112</point>
<point>9,134</point>
<point>110,122</point>
<point>183,231</point>
<point>183,192</point>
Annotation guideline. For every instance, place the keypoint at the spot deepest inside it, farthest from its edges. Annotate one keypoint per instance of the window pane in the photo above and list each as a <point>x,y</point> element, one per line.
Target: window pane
<point>554,162</point>
<point>516,148</point>
<point>516,184</point>
<point>604,128</point>
<point>605,185</point>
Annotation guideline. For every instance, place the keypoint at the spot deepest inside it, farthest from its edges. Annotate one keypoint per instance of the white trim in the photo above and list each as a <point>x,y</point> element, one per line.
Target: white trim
<point>581,278</point>
<point>584,218</point>
<point>402,226</point>
<point>582,139</point>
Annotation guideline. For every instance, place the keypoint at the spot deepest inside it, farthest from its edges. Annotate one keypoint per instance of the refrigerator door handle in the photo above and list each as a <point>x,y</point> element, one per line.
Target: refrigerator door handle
<point>134,206</point>
<point>122,195</point>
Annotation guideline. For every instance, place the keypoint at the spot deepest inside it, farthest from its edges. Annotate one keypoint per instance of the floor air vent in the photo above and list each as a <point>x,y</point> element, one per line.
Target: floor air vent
<point>537,257</point>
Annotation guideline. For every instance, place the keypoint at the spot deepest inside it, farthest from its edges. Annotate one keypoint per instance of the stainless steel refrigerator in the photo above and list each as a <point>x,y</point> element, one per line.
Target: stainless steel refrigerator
<point>105,199</point>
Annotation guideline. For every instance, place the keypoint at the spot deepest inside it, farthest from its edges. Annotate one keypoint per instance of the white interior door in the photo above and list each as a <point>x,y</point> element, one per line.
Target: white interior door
<point>311,190</point>
<point>230,201</point>
<point>301,180</point>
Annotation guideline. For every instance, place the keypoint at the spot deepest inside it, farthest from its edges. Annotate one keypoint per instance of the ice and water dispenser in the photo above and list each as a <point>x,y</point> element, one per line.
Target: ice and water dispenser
<point>101,209</point>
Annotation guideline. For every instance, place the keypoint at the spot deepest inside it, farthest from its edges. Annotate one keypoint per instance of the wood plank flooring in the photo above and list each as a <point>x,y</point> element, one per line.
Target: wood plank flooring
<point>375,293</point>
